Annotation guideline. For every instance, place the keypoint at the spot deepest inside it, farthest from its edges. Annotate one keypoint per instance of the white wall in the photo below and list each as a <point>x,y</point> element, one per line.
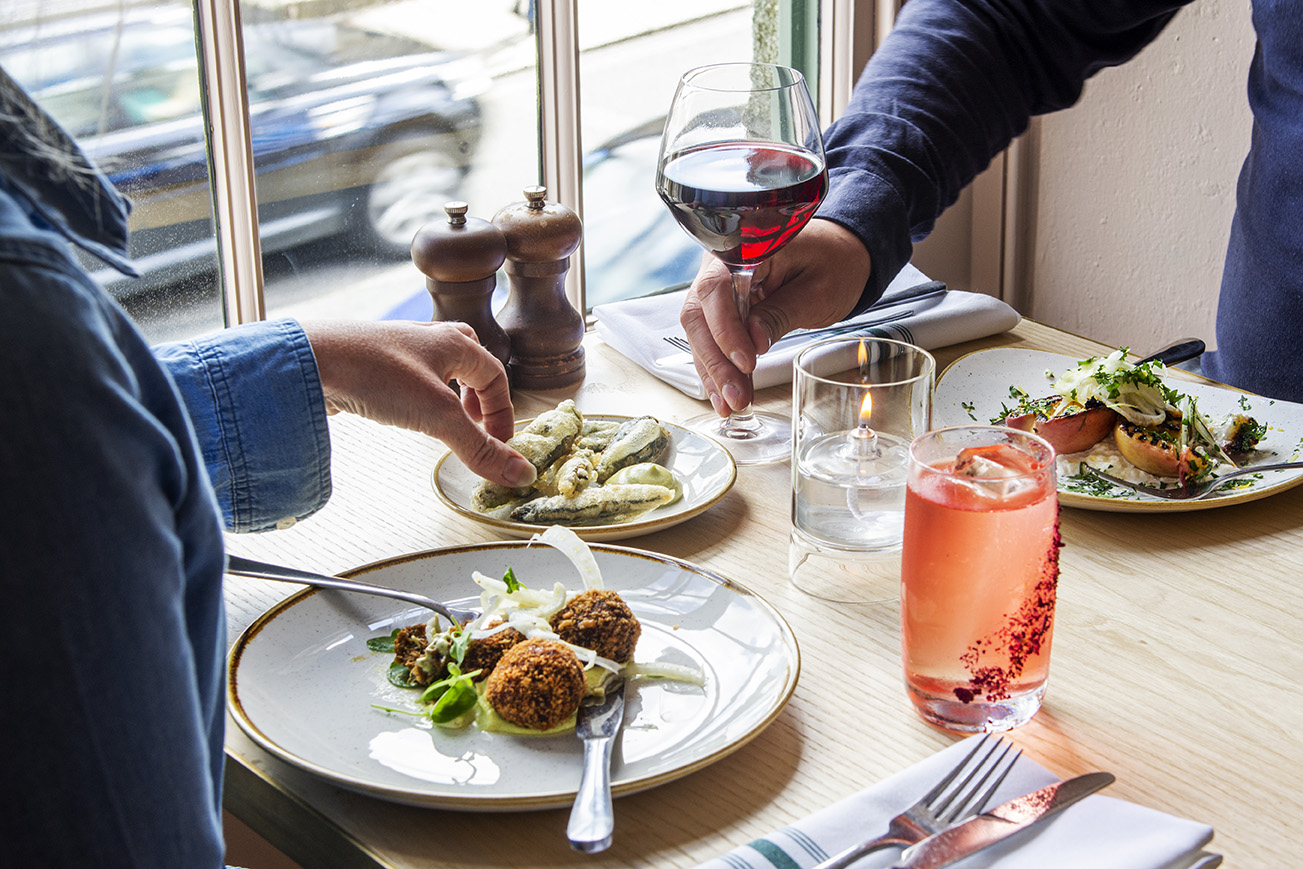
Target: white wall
<point>1134,187</point>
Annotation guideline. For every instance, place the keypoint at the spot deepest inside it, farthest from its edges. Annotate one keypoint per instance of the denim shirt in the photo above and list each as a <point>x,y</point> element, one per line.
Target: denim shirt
<point>118,463</point>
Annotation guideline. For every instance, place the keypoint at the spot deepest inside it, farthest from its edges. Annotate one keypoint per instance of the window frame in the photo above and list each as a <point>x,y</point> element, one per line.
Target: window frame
<point>841,41</point>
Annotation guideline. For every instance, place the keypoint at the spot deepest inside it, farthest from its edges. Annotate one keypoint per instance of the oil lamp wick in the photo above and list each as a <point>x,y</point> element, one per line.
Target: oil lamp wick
<point>866,439</point>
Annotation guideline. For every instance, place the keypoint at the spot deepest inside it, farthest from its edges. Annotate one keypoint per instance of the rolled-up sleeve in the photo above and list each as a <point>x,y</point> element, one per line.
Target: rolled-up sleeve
<point>255,397</point>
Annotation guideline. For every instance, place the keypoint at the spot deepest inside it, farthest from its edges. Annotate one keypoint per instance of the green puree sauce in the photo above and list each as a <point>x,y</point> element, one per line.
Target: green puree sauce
<point>650,474</point>
<point>483,716</point>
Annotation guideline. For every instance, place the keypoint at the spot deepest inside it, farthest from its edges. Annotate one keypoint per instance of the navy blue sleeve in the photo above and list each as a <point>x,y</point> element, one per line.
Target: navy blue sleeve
<point>111,556</point>
<point>952,85</point>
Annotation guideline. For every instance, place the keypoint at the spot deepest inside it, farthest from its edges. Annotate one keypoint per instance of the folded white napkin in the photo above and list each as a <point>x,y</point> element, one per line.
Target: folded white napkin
<point>1098,832</point>
<point>638,328</point>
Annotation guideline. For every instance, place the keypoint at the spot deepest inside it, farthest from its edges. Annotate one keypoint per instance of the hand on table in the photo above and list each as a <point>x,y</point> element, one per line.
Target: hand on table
<point>397,373</point>
<point>814,281</point>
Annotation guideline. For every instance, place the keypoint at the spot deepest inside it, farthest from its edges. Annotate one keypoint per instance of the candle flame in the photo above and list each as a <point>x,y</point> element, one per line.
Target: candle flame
<point>864,355</point>
<point>866,407</point>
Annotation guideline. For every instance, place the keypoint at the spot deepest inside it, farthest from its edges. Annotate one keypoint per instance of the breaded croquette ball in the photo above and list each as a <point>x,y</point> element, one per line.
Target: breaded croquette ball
<point>482,653</point>
<point>537,684</point>
<point>600,620</point>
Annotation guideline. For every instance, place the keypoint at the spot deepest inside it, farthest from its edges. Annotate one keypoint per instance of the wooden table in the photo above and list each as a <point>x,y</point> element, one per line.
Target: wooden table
<point>1178,664</point>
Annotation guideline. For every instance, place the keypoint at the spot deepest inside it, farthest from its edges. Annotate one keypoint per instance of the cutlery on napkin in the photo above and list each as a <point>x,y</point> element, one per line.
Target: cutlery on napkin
<point>637,328</point>
<point>995,825</point>
<point>1099,831</point>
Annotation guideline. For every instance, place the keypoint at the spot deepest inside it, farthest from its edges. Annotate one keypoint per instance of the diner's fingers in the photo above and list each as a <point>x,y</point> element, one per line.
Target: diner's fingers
<point>722,350</point>
<point>814,281</point>
<point>398,373</point>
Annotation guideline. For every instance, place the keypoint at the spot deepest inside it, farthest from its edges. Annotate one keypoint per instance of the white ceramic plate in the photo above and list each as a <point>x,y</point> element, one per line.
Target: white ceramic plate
<point>704,468</point>
<point>302,681</point>
<point>975,387</point>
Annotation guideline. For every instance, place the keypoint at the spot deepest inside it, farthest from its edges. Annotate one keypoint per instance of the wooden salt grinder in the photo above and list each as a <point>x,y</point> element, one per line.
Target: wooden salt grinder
<point>546,331</point>
<point>460,260</point>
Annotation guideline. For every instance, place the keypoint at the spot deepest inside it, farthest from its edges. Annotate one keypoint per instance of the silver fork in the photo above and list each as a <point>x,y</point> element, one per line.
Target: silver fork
<point>262,570</point>
<point>1191,491</point>
<point>943,806</point>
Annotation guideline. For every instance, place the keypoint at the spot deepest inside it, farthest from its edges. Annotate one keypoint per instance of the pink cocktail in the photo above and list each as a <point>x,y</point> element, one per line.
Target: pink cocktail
<point>979,575</point>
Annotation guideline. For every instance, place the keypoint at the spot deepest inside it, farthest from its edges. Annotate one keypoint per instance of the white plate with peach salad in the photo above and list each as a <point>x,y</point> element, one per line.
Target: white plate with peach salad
<point>1148,424</point>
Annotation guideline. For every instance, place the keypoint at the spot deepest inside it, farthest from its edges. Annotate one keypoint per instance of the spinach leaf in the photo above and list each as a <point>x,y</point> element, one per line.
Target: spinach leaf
<point>400,676</point>
<point>383,644</point>
<point>452,697</point>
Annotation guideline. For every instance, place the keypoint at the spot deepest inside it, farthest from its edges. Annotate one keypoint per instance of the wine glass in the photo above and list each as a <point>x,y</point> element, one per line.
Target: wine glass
<point>742,169</point>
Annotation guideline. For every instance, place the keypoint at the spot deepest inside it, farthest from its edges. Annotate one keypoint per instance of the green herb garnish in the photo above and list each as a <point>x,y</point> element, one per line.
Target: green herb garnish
<point>400,676</point>
<point>452,697</point>
<point>461,640</point>
<point>383,644</point>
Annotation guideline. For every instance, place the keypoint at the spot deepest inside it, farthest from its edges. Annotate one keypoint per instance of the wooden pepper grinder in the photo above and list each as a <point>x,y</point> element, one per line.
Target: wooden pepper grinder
<point>460,259</point>
<point>546,331</point>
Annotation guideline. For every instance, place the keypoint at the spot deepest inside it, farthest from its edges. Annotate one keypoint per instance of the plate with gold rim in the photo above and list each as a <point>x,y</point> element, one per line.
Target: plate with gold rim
<point>302,682</point>
<point>702,466</point>
<point>976,388</point>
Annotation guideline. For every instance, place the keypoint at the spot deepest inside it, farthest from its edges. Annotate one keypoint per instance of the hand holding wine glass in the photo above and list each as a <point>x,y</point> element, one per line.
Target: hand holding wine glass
<point>815,281</point>
<point>742,169</point>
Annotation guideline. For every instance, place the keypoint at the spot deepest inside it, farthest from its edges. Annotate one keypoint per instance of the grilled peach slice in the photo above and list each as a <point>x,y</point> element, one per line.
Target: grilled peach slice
<point>1153,449</point>
<point>1069,432</point>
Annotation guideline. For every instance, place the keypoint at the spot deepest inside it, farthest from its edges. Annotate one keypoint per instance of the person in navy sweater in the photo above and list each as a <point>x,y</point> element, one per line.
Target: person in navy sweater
<point>951,86</point>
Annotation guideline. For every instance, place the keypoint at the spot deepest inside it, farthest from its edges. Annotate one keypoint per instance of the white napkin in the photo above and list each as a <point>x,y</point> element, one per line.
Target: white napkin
<point>1098,832</point>
<point>638,327</point>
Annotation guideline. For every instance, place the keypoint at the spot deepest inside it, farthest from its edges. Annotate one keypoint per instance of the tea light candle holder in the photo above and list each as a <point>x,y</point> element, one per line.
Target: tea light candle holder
<point>857,404</point>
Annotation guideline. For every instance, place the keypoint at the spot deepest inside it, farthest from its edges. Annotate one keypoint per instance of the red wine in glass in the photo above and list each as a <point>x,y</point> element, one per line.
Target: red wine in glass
<point>742,201</point>
<point>742,169</point>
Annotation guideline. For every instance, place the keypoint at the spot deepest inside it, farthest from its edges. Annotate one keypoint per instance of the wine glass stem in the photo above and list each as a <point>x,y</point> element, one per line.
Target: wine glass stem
<point>742,298</point>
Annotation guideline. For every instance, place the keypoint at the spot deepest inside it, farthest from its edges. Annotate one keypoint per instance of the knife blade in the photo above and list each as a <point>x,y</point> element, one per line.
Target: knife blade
<point>841,329</point>
<point>925,290</point>
<point>592,819</point>
<point>918,291</point>
<point>963,840</point>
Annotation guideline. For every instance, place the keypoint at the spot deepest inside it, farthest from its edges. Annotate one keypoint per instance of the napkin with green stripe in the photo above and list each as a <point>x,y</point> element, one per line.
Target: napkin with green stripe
<point>1098,832</point>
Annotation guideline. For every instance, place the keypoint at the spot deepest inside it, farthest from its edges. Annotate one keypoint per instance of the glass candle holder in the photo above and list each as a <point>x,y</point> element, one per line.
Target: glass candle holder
<point>857,404</point>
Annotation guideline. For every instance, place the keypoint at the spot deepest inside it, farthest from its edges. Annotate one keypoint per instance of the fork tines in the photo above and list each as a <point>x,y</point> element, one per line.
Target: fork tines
<point>993,765</point>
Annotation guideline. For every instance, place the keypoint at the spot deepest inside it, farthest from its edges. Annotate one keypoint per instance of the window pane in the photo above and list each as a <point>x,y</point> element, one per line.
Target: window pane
<point>629,66</point>
<point>365,124</point>
<point>125,83</point>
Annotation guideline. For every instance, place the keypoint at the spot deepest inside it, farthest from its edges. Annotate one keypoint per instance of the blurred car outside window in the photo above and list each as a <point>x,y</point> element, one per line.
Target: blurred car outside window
<point>367,118</point>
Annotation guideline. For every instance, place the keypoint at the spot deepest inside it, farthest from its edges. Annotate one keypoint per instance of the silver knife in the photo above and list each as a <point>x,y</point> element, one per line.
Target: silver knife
<point>821,332</point>
<point>924,290</point>
<point>963,840</point>
<point>591,818</point>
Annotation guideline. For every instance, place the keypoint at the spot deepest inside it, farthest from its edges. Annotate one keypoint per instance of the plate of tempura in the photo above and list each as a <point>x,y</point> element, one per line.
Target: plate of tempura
<point>605,477</point>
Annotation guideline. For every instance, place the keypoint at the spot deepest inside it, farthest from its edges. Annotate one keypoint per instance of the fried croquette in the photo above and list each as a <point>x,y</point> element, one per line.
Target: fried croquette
<point>482,653</point>
<point>409,646</point>
<point>600,620</point>
<point>537,684</point>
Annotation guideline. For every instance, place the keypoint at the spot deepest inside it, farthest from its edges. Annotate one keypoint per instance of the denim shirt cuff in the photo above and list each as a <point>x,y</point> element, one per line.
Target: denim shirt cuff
<point>255,397</point>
